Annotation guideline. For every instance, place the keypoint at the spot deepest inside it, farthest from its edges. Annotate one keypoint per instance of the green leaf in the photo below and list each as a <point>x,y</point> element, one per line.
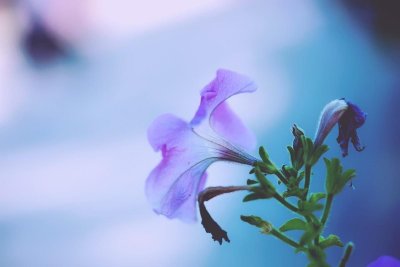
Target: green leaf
<point>258,193</point>
<point>289,171</point>
<point>266,164</point>
<point>252,196</point>
<point>293,224</point>
<point>299,192</point>
<point>331,240</point>
<point>307,208</point>
<point>268,168</point>
<point>334,172</point>
<point>307,237</point>
<point>263,154</point>
<point>265,226</point>
<point>308,148</point>
<point>336,179</point>
<point>300,159</point>
<point>315,197</point>
<point>263,180</point>
<point>317,153</point>
<point>312,231</point>
<point>344,179</point>
<point>285,171</point>
<point>251,182</point>
<point>292,154</point>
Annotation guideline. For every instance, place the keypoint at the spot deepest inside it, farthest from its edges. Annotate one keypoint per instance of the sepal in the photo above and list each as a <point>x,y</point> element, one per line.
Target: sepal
<point>264,226</point>
<point>311,232</point>
<point>315,197</point>
<point>331,240</point>
<point>312,153</point>
<point>265,184</point>
<point>266,165</point>
<point>336,179</point>
<point>258,193</point>
<point>293,224</point>
<point>307,208</point>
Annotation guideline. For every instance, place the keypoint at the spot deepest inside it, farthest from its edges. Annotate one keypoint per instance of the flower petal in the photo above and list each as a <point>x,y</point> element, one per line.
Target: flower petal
<point>180,200</point>
<point>330,115</point>
<point>173,185</point>
<point>385,261</point>
<point>225,123</point>
<point>166,129</point>
<point>215,114</point>
<point>351,120</point>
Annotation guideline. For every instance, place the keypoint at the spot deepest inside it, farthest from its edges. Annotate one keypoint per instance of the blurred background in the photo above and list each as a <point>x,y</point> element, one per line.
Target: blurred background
<point>80,81</point>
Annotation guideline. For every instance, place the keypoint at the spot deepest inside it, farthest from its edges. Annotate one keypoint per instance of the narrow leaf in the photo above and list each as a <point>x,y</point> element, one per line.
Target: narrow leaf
<point>265,227</point>
<point>293,224</point>
<point>255,196</point>
<point>319,151</point>
<point>263,180</point>
<point>292,155</point>
<point>251,182</point>
<point>331,240</point>
<point>315,197</point>
<point>263,154</point>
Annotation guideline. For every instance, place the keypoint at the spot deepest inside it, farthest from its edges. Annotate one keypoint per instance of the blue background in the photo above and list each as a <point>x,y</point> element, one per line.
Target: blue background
<point>74,155</point>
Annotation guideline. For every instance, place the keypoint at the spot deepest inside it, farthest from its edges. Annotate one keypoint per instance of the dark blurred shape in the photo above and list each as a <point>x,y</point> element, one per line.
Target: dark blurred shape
<point>7,3</point>
<point>381,17</point>
<point>41,45</point>
<point>352,119</point>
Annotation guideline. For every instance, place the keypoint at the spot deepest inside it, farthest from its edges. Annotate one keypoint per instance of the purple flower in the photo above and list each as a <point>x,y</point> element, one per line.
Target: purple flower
<point>351,120</point>
<point>330,115</point>
<point>385,261</point>
<point>349,117</point>
<point>189,148</point>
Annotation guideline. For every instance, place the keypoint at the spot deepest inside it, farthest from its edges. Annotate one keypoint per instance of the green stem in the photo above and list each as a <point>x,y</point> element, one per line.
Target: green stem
<point>307,171</point>
<point>285,203</point>
<point>347,254</point>
<point>276,171</point>
<point>285,239</point>
<point>327,209</point>
<point>281,177</point>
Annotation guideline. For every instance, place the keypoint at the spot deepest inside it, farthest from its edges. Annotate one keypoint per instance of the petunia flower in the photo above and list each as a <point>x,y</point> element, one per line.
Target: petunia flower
<point>188,148</point>
<point>385,261</point>
<point>349,117</point>
<point>330,115</point>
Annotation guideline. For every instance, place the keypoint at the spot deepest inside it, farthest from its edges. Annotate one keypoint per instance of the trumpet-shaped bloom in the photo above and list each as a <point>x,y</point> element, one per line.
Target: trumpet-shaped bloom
<point>189,148</point>
<point>385,261</point>
<point>330,115</point>
<point>349,117</point>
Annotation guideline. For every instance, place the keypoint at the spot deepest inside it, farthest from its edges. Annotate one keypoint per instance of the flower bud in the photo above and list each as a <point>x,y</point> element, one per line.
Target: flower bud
<point>330,115</point>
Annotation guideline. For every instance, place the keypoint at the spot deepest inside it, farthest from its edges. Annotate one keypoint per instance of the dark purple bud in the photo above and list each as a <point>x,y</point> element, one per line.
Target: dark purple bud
<point>349,122</point>
<point>297,133</point>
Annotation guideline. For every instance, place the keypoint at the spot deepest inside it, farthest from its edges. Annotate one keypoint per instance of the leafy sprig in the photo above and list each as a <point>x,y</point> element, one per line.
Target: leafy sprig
<point>296,179</point>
